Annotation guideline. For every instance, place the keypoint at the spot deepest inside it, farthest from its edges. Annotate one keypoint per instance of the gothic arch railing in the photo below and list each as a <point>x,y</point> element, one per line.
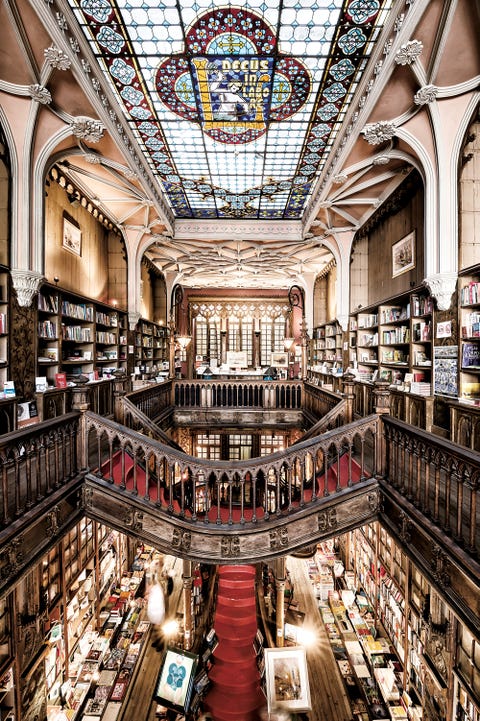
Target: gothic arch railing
<point>224,492</point>
<point>439,478</point>
<point>238,394</point>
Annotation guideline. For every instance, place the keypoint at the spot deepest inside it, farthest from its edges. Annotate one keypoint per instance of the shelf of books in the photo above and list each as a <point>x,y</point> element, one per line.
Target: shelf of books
<point>151,346</point>
<point>366,658</point>
<point>326,355</point>
<point>392,341</point>
<point>7,696</point>
<point>77,336</point>
<point>4,295</point>
<point>469,351</point>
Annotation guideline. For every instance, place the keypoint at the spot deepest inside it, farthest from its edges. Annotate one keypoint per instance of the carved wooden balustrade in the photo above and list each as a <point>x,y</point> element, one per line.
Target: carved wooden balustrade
<point>318,403</point>
<point>234,394</point>
<point>152,400</point>
<point>225,492</point>
<point>438,477</point>
<point>36,461</point>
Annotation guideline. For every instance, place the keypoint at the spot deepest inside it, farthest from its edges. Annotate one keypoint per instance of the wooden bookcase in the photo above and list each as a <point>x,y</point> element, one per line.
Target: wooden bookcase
<point>151,345</point>
<point>393,341</point>
<point>78,336</point>
<point>469,335</point>
<point>326,352</point>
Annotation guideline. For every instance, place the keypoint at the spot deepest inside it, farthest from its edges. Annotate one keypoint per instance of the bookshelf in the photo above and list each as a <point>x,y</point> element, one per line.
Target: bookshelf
<point>7,696</point>
<point>4,295</point>
<point>151,345</point>
<point>393,341</point>
<point>326,354</point>
<point>77,336</point>
<point>469,322</point>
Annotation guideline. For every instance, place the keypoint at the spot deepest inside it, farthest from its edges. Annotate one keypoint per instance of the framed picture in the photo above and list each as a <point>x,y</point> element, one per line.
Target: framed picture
<point>403,255</point>
<point>72,237</point>
<point>279,360</point>
<point>174,685</point>
<point>287,679</point>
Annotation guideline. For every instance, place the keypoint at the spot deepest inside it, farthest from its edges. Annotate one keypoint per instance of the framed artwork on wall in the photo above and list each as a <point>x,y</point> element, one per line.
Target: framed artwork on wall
<point>287,679</point>
<point>403,254</point>
<point>71,237</point>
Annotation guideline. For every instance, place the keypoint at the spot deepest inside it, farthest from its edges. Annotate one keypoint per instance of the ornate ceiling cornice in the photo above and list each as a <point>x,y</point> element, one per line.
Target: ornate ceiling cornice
<point>245,230</point>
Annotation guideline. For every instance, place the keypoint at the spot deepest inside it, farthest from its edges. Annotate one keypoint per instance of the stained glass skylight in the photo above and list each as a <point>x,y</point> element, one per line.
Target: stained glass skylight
<point>235,106</point>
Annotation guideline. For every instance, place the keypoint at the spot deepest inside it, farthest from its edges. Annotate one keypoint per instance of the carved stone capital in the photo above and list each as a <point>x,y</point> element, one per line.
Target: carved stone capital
<point>442,287</point>
<point>87,129</point>
<point>425,95</point>
<point>133,318</point>
<point>26,284</point>
<point>57,58</point>
<point>409,52</point>
<point>376,133</point>
<point>343,320</point>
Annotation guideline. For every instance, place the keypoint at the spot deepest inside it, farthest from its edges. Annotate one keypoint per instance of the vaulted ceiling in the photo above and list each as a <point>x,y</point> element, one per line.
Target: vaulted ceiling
<point>233,143</point>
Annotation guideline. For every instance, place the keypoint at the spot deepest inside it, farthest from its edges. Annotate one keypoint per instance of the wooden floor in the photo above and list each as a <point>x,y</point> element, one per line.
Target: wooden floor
<point>328,696</point>
<point>327,690</point>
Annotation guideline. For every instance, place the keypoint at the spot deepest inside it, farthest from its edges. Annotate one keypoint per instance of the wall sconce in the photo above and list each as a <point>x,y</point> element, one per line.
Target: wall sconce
<point>288,343</point>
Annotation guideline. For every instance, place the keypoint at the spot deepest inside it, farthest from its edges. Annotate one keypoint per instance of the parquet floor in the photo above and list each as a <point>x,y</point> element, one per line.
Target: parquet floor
<point>328,695</point>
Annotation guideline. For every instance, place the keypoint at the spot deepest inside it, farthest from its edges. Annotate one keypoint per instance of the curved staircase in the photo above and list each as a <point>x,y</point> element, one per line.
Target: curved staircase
<point>235,693</point>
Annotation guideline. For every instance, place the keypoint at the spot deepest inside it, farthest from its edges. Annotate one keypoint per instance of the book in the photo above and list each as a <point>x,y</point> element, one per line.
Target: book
<point>60,380</point>
<point>41,384</point>
<point>471,355</point>
<point>9,389</point>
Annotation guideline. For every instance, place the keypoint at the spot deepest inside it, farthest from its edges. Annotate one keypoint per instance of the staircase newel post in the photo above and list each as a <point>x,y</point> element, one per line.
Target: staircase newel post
<point>381,405</point>
<point>349,395</point>
<point>187,604</point>
<point>280,600</point>
<point>119,391</point>
<point>81,402</point>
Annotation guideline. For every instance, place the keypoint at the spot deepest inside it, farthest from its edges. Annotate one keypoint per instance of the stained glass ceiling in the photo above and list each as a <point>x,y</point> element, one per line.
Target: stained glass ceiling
<point>235,107</point>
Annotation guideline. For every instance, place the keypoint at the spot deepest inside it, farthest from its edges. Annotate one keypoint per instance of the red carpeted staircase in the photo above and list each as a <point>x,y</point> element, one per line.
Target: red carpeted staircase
<point>235,693</point>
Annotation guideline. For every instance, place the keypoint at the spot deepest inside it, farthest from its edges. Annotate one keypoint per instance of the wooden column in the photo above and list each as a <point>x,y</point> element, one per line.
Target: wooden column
<point>187,604</point>
<point>280,600</point>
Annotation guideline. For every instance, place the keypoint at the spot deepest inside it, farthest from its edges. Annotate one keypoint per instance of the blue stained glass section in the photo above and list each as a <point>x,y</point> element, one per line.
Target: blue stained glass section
<point>235,105</point>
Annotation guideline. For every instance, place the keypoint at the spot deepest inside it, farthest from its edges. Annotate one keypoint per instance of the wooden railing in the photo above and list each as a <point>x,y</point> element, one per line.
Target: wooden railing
<point>152,400</point>
<point>228,492</point>
<point>440,478</point>
<point>34,462</point>
<point>234,394</point>
<point>136,420</point>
